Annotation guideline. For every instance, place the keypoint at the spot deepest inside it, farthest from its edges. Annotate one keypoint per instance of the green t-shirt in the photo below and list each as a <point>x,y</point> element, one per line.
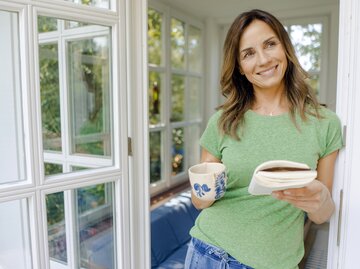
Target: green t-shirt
<point>261,231</point>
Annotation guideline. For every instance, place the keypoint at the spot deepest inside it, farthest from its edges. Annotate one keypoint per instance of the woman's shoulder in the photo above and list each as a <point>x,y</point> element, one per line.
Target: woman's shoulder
<point>214,118</point>
<point>326,117</point>
<point>323,113</point>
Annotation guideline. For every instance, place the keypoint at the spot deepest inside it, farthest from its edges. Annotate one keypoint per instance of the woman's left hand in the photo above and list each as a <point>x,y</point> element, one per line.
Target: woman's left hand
<point>315,199</point>
<point>310,198</point>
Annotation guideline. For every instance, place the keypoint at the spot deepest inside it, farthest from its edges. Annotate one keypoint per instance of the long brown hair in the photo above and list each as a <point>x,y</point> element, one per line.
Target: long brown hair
<point>239,91</point>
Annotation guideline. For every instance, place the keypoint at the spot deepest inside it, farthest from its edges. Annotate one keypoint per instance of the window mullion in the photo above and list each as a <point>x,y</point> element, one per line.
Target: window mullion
<point>64,98</point>
<point>166,175</point>
<point>70,228</point>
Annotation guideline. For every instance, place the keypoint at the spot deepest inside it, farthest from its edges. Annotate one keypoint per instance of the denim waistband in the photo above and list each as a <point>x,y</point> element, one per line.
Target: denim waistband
<point>217,253</point>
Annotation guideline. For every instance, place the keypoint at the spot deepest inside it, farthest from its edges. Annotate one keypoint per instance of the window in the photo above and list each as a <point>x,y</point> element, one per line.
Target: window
<point>76,111</point>
<point>176,76</point>
<point>63,190</point>
<point>308,39</point>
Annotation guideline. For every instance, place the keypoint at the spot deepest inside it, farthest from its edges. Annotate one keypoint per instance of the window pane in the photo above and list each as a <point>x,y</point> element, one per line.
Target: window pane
<point>314,82</point>
<point>193,145</point>
<point>14,235</point>
<point>194,49</point>
<point>50,97</point>
<point>47,24</point>
<point>177,44</point>
<point>155,86</point>
<point>52,169</point>
<point>194,105</point>
<point>177,97</point>
<point>177,150</point>
<point>155,156</point>
<point>95,226</point>
<point>155,37</point>
<point>75,24</point>
<point>94,3</point>
<point>12,153</point>
<point>89,81</point>
<point>56,227</point>
<point>307,43</point>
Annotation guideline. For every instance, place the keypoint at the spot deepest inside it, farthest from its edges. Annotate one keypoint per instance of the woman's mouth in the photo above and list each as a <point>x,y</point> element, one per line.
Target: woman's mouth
<point>268,71</point>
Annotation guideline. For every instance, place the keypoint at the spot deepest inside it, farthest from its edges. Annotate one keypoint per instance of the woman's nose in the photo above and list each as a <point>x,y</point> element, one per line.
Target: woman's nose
<point>262,57</point>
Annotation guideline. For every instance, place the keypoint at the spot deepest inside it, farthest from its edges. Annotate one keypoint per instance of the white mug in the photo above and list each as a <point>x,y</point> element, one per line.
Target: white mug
<point>208,180</point>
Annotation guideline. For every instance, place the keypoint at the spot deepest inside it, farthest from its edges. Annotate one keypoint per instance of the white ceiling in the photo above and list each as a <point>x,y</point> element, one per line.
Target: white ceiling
<point>224,11</point>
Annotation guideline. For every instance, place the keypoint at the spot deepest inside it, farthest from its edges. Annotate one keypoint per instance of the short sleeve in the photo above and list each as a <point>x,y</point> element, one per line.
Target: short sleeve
<point>334,140</point>
<point>210,139</point>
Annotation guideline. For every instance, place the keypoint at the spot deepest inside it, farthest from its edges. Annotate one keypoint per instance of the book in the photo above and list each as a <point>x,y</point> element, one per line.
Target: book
<point>277,175</point>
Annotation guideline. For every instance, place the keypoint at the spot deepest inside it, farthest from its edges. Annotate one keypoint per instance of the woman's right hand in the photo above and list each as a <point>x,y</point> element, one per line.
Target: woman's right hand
<point>197,202</point>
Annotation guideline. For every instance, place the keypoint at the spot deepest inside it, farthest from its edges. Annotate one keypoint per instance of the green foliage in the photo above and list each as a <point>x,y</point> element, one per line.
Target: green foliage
<point>177,97</point>
<point>154,37</point>
<point>55,208</point>
<point>155,156</point>
<point>177,38</point>
<point>90,197</point>
<point>52,169</point>
<point>50,96</point>
<point>178,150</point>
<point>154,97</point>
<point>47,24</point>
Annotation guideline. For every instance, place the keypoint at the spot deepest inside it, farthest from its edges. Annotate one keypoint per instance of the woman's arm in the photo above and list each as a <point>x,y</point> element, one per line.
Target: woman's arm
<point>198,203</point>
<point>315,199</point>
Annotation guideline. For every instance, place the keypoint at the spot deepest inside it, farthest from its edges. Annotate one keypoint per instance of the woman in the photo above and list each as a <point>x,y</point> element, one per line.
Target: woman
<point>270,113</point>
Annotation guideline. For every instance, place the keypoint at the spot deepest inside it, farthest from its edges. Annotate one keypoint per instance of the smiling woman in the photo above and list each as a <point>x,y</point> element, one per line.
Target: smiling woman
<point>267,102</point>
<point>263,60</point>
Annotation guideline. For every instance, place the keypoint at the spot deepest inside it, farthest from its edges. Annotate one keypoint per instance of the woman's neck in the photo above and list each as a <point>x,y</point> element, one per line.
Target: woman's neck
<point>270,102</point>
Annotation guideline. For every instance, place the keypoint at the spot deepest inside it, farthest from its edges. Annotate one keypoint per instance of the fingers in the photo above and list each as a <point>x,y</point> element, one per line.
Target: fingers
<point>309,198</point>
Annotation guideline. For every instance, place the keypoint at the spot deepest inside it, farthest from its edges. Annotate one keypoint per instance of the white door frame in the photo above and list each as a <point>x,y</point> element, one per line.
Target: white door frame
<point>344,235</point>
<point>136,18</point>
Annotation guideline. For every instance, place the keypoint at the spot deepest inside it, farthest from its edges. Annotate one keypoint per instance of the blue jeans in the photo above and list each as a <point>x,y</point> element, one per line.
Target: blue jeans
<point>200,255</point>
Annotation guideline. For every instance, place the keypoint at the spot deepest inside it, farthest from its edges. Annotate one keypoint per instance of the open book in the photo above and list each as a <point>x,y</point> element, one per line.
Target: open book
<point>280,175</point>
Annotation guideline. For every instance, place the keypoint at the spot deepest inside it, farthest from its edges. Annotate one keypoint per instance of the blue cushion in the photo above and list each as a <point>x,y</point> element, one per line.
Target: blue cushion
<point>185,198</point>
<point>170,226</point>
<point>176,260</point>
<point>163,240</point>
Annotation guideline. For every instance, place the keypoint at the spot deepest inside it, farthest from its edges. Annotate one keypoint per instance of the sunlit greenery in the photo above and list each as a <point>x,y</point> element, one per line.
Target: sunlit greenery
<point>50,96</point>
<point>155,87</point>
<point>46,24</point>
<point>90,197</point>
<point>307,42</point>
<point>177,39</point>
<point>155,156</point>
<point>154,37</point>
<point>194,49</point>
<point>177,97</point>
<point>178,150</point>
<point>52,169</point>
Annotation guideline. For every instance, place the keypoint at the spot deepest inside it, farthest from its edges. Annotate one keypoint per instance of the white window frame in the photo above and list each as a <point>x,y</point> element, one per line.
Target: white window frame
<point>35,187</point>
<point>166,126</point>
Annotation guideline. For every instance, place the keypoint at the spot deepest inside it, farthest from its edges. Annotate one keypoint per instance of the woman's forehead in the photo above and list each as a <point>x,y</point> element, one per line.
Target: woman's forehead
<point>257,32</point>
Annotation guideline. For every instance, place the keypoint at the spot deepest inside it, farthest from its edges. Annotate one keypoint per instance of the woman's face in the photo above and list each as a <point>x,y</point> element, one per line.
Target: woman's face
<point>262,57</point>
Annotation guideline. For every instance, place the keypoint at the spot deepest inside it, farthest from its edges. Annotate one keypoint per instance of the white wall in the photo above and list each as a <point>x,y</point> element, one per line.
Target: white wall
<point>11,143</point>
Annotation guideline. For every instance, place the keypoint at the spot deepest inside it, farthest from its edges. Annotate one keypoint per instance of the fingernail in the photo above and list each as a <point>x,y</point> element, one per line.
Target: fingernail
<point>287,193</point>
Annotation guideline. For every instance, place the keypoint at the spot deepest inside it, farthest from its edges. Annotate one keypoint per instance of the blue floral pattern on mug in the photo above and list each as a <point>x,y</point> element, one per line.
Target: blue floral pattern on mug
<point>201,189</point>
<point>220,186</point>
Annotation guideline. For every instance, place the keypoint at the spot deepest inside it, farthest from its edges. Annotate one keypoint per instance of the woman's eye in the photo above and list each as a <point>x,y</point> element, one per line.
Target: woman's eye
<point>270,44</point>
<point>248,54</point>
